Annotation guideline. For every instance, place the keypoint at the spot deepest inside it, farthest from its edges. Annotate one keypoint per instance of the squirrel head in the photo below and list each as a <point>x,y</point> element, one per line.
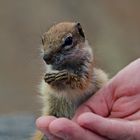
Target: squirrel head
<point>64,45</point>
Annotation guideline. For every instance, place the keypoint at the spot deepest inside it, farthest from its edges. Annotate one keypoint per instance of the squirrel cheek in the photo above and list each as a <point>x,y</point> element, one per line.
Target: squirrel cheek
<point>59,58</point>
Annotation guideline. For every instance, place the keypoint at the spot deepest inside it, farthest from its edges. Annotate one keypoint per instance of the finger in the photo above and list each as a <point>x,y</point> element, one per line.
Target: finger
<point>110,128</point>
<point>68,130</point>
<point>42,124</point>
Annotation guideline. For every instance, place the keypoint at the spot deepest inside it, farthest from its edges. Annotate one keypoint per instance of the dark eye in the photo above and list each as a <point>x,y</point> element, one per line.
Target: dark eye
<point>68,41</point>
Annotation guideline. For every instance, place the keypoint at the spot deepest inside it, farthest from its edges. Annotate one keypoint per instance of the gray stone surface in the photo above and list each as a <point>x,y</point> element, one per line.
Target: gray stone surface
<point>16,127</point>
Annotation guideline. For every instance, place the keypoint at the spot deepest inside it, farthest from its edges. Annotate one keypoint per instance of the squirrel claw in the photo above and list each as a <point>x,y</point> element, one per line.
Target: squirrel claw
<point>49,78</point>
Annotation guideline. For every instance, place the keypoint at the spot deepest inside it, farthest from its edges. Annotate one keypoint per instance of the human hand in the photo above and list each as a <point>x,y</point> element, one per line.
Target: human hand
<point>113,113</point>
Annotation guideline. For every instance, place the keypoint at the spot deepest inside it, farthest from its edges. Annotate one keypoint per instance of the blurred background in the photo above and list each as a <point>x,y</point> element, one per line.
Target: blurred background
<point>112,28</point>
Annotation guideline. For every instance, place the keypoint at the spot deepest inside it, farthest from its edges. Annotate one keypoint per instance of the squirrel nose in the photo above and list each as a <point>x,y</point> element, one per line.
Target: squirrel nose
<point>47,58</point>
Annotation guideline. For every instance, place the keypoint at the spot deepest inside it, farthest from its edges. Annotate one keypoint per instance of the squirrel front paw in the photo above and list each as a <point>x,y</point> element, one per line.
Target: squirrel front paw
<point>55,77</point>
<point>62,75</point>
<point>49,77</point>
<point>69,78</point>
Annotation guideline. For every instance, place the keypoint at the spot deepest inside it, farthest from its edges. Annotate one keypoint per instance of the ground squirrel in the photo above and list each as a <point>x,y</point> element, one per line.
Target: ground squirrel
<point>71,76</point>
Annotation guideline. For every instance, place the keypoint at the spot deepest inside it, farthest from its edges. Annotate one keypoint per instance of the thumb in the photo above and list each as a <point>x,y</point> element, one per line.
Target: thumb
<point>69,130</point>
<point>116,129</point>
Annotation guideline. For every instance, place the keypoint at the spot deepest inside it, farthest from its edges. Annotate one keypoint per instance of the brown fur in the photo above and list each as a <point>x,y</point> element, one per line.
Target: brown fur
<point>63,91</point>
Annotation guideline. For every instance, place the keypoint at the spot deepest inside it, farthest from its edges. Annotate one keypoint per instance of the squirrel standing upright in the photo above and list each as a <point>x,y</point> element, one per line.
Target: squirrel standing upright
<point>71,77</point>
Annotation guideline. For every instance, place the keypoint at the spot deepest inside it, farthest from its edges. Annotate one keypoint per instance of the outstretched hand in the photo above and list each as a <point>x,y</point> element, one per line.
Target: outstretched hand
<point>111,114</point>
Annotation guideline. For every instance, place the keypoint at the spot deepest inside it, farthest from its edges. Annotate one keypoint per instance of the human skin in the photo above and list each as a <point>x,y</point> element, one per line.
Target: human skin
<point>113,113</point>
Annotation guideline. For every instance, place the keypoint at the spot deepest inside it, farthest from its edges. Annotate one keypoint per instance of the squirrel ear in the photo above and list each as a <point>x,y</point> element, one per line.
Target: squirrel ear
<point>80,30</point>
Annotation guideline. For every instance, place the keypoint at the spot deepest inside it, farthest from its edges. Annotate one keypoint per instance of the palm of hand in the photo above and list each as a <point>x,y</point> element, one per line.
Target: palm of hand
<point>120,102</point>
<point>120,98</point>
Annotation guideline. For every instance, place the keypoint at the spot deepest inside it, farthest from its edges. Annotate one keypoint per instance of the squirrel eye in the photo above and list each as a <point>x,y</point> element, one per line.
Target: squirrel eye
<point>68,41</point>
